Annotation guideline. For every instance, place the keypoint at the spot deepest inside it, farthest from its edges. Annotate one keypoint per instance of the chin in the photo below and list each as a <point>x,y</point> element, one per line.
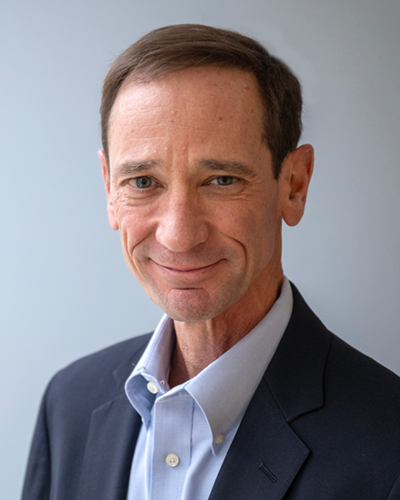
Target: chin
<point>190,305</point>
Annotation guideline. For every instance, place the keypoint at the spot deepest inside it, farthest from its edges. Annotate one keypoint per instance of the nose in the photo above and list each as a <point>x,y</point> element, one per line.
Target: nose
<point>181,225</point>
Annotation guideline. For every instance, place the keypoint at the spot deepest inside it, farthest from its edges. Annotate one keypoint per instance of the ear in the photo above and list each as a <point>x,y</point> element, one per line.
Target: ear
<point>106,176</point>
<point>295,176</point>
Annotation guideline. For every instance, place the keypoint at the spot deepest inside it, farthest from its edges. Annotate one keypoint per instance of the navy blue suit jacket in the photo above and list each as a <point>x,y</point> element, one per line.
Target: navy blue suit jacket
<point>324,423</point>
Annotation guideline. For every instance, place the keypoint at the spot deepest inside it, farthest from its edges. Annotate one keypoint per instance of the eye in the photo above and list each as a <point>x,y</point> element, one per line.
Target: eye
<point>224,180</point>
<point>141,182</point>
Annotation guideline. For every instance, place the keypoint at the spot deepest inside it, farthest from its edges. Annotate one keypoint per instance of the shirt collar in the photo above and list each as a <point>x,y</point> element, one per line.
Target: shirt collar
<point>224,388</point>
<point>153,366</point>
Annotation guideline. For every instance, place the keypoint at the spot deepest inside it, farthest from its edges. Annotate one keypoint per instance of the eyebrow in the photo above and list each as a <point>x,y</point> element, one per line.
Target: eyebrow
<point>132,168</point>
<point>230,167</point>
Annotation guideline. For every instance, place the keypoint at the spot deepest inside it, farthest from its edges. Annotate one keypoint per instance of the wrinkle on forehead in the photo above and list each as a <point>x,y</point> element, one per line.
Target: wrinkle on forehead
<point>189,109</point>
<point>181,99</point>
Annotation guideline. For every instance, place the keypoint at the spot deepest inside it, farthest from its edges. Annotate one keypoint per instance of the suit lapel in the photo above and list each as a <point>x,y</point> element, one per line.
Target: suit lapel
<point>114,429</point>
<point>113,432</point>
<point>266,454</point>
<point>296,372</point>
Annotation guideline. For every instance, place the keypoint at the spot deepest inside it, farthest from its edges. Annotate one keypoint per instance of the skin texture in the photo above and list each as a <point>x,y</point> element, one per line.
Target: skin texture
<point>192,192</point>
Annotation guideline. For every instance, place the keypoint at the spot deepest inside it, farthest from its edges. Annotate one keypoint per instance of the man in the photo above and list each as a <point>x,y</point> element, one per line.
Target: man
<point>241,393</point>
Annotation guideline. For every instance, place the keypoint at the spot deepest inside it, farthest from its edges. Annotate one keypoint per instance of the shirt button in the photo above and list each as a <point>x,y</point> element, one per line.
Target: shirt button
<point>219,439</point>
<point>172,460</point>
<point>152,387</point>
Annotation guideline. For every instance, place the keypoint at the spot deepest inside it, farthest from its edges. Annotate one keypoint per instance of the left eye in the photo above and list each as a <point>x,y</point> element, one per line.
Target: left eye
<point>142,182</point>
<point>224,180</point>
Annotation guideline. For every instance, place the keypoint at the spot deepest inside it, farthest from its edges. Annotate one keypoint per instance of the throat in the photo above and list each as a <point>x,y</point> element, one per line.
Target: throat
<point>198,344</point>
<point>178,373</point>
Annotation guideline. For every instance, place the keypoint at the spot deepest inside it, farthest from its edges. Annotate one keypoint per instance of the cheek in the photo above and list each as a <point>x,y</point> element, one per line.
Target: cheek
<point>251,223</point>
<point>256,231</point>
<point>134,223</point>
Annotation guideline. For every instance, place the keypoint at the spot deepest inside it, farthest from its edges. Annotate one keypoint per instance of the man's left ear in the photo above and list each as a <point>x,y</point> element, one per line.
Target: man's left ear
<point>295,176</point>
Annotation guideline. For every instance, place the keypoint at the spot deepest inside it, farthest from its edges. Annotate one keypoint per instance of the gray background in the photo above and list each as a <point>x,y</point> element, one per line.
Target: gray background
<point>65,289</point>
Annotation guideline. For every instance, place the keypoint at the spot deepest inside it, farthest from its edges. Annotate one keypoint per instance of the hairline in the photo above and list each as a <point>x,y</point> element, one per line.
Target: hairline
<point>142,77</point>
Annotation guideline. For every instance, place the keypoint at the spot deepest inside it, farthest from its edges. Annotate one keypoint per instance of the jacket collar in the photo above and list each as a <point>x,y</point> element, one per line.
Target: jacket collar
<point>295,374</point>
<point>266,454</point>
<point>122,372</point>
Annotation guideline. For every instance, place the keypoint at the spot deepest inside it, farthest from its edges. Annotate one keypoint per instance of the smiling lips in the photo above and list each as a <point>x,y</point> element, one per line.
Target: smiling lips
<point>185,270</point>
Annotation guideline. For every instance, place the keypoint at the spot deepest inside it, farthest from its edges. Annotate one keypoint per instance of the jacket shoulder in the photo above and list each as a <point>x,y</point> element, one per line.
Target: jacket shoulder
<point>354,376</point>
<point>92,379</point>
<point>342,404</point>
<point>107,358</point>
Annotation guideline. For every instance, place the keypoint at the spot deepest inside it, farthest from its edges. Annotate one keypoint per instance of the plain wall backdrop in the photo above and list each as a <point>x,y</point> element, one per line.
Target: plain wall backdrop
<point>65,289</point>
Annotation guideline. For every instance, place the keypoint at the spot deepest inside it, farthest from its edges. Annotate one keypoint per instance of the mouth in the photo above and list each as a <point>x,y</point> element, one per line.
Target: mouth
<point>186,269</point>
<point>183,271</point>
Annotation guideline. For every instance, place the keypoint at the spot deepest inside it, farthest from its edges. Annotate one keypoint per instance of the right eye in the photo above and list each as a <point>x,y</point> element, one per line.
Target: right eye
<point>141,182</point>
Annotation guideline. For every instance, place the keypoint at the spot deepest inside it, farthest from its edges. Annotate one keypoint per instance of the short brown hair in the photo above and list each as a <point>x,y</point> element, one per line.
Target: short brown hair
<point>183,46</point>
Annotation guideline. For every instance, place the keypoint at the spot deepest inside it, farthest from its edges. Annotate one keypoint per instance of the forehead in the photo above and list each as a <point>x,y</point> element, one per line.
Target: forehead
<point>203,106</point>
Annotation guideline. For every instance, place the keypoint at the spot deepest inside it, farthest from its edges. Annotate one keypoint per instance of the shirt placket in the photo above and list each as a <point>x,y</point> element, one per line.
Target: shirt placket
<point>173,422</point>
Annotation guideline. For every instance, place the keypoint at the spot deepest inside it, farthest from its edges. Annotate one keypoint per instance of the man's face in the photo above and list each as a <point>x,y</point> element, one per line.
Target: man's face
<point>192,191</point>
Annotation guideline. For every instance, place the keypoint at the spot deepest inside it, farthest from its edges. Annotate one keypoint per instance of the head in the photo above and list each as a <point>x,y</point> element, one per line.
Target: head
<point>191,178</point>
<point>175,48</point>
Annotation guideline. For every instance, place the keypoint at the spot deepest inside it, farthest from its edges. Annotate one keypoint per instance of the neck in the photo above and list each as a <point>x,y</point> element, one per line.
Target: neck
<point>199,344</point>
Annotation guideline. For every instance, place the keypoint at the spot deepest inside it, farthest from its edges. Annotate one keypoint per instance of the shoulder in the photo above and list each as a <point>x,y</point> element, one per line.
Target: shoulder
<point>360,400</point>
<point>349,406</point>
<point>94,378</point>
<point>313,369</point>
<point>359,419</point>
<point>353,377</point>
<point>65,417</point>
<point>345,365</point>
<point>107,358</point>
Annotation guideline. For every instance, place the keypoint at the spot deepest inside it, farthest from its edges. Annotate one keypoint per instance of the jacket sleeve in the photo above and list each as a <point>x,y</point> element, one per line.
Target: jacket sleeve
<point>38,474</point>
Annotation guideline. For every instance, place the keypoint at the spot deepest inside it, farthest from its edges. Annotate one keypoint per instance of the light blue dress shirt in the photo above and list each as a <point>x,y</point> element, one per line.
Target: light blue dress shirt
<point>187,430</point>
